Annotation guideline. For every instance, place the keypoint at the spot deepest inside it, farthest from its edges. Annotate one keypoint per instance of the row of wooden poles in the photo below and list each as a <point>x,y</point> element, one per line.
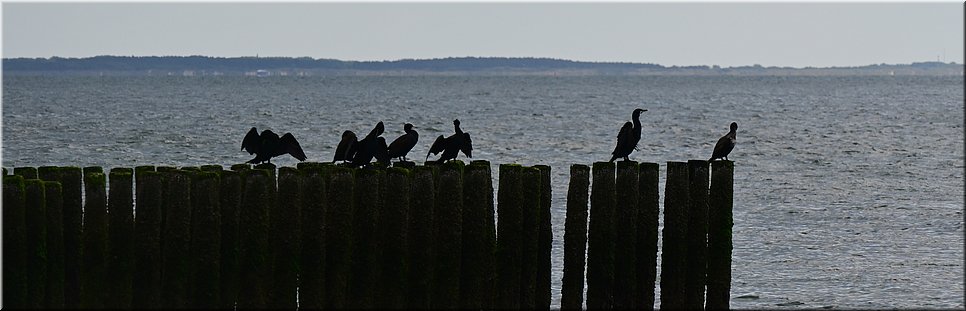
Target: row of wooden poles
<point>320,236</point>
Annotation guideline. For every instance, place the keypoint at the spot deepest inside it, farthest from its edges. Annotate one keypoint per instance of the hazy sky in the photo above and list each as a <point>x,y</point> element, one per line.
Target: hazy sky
<point>726,34</point>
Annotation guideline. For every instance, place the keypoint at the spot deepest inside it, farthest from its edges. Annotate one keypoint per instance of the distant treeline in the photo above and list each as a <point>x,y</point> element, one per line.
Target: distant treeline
<point>205,65</point>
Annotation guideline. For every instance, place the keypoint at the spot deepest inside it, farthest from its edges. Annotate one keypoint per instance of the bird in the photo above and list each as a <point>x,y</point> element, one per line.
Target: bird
<point>268,145</point>
<point>725,144</point>
<point>346,148</point>
<point>452,145</point>
<point>402,145</point>
<point>628,137</point>
<point>371,146</point>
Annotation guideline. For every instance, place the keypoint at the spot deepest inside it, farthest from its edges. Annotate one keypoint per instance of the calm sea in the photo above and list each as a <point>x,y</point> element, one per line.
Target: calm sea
<point>848,190</point>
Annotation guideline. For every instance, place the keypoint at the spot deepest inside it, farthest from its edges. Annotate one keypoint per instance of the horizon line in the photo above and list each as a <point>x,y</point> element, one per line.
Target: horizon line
<point>494,57</point>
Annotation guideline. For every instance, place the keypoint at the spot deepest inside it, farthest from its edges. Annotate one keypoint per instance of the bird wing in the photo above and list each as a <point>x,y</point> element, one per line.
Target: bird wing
<point>719,147</point>
<point>438,146</point>
<point>623,137</point>
<point>291,146</point>
<point>376,131</point>
<point>381,152</point>
<point>397,146</point>
<point>467,146</point>
<point>251,142</point>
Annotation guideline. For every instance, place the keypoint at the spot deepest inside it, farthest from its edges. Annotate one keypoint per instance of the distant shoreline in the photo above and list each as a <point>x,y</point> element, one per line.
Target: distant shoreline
<point>482,66</point>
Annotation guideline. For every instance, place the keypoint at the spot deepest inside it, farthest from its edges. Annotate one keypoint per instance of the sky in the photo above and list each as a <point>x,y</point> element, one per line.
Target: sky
<point>793,34</point>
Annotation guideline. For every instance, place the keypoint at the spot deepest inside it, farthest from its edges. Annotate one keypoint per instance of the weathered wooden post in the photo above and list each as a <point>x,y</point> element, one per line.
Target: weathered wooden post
<point>489,237</point>
<point>28,173</point>
<point>14,242</point>
<point>647,223</point>
<point>697,260</point>
<point>340,186</point>
<point>176,239</point>
<point>477,250</point>
<point>146,293</point>
<point>312,276</point>
<point>449,240</point>
<point>674,251</point>
<point>120,265</point>
<point>241,167</point>
<point>36,221</point>
<point>286,239</point>
<point>509,244</point>
<point>205,291</point>
<point>53,193</point>
<point>600,244</point>
<point>230,194</point>
<point>94,270</point>
<point>421,238</point>
<point>530,237</point>
<point>253,251</point>
<point>575,239</point>
<point>70,179</point>
<point>545,243</point>
<point>720,222</point>
<point>365,213</point>
<point>625,228</point>
<point>394,236</point>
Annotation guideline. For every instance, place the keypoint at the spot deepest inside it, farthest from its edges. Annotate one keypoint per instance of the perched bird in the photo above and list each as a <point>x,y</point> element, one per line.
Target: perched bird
<point>628,137</point>
<point>725,144</point>
<point>371,146</point>
<point>452,145</point>
<point>402,145</point>
<point>346,148</point>
<point>268,145</point>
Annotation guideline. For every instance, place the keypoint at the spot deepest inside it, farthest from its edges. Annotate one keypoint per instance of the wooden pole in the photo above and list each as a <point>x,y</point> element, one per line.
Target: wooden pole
<point>721,221</point>
<point>28,173</point>
<point>253,253</point>
<point>313,273</point>
<point>363,280</point>
<point>120,276</point>
<point>205,246</point>
<point>176,239</point>
<point>647,223</point>
<point>449,230</point>
<point>393,229</point>
<point>146,292</point>
<point>70,179</point>
<point>530,237</point>
<point>697,258</point>
<point>600,246</point>
<point>625,228</point>
<point>675,248</point>
<point>229,205</point>
<point>53,193</point>
<point>575,239</point>
<point>489,237</point>
<point>14,242</point>
<point>545,242</point>
<point>286,239</point>
<point>93,273</point>
<point>36,221</point>
<point>509,246</point>
<point>421,238</point>
<point>477,250</point>
<point>340,187</point>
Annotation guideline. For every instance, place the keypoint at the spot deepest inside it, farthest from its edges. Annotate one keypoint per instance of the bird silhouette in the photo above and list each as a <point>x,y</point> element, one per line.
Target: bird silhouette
<point>725,144</point>
<point>452,145</point>
<point>402,145</point>
<point>371,146</point>
<point>346,149</point>
<point>268,145</point>
<point>628,137</point>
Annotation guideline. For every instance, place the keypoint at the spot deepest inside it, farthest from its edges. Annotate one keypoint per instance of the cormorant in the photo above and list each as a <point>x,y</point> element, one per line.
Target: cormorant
<point>371,146</point>
<point>725,144</point>
<point>628,137</point>
<point>268,145</point>
<point>402,145</point>
<point>346,149</point>
<point>450,146</point>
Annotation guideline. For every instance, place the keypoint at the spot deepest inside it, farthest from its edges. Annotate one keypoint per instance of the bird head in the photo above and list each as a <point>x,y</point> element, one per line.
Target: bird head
<point>734,126</point>
<point>638,111</point>
<point>456,122</point>
<point>408,127</point>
